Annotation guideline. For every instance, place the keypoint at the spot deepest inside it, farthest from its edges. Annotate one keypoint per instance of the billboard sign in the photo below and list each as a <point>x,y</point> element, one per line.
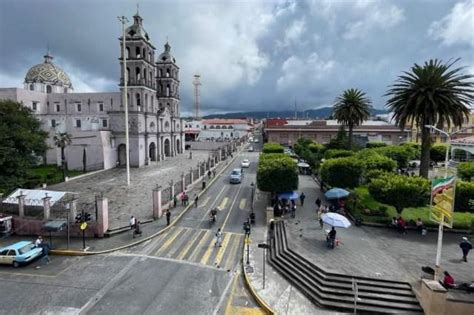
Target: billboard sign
<point>442,200</point>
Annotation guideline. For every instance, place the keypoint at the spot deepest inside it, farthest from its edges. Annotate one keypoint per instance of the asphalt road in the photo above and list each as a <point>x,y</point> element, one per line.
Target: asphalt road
<point>180,272</point>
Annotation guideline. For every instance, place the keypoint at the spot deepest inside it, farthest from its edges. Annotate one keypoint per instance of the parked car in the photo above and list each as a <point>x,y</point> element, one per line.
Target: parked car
<point>19,253</point>
<point>236,176</point>
<point>250,149</point>
<point>245,163</point>
<point>255,140</point>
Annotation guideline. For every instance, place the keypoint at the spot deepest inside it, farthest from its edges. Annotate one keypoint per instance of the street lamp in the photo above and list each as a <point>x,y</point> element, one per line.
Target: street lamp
<point>440,229</point>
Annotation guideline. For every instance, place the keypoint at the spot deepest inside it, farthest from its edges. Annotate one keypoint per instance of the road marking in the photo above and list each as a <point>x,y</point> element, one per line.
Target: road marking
<point>242,204</point>
<point>183,236</point>
<point>231,207</point>
<point>205,216</point>
<point>222,249</point>
<point>221,300</point>
<point>204,203</point>
<point>196,249</point>
<point>208,252</point>
<point>231,297</point>
<point>230,258</point>
<point>169,241</point>
<point>188,246</point>
<point>223,203</point>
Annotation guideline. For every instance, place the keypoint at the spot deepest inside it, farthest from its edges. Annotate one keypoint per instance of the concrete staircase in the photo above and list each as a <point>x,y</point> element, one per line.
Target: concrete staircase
<point>334,291</point>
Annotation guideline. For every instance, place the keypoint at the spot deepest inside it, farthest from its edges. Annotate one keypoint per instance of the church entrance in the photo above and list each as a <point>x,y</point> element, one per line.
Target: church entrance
<point>121,155</point>
<point>167,147</point>
<point>152,152</point>
<point>178,147</point>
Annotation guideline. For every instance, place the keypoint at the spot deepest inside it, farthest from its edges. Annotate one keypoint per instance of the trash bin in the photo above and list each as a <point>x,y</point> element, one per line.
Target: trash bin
<point>203,184</point>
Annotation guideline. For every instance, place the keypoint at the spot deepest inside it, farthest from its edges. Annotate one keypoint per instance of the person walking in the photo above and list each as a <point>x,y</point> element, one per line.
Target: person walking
<point>302,197</point>
<point>196,201</point>
<point>168,217</point>
<point>175,201</point>
<point>209,174</point>
<point>318,202</point>
<point>133,221</point>
<point>218,238</point>
<point>466,246</point>
<point>332,237</point>
<point>293,211</point>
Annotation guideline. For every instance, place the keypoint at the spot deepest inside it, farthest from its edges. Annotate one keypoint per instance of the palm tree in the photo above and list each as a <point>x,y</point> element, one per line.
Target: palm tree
<point>431,94</point>
<point>351,109</point>
<point>62,140</point>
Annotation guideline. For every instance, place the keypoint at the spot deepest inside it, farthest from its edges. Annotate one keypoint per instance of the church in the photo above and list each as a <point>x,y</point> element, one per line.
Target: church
<point>96,121</point>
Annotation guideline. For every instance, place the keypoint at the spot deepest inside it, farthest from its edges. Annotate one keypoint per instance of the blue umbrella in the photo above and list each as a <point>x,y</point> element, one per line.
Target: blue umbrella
<point>290,195</point>
<point>336,193</point>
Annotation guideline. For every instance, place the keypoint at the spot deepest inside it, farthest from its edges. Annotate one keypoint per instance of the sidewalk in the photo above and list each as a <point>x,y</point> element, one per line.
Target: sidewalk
<point>126,239</point>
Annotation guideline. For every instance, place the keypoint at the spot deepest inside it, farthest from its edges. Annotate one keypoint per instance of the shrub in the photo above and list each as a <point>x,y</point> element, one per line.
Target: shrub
<point>373,174</point>
<point>400,191</point>
<point>316,148</point>
<point>342,172</point>
<point>370,145</point>
<point>400,154</point>
<point>272,148</point>
<point>337,153</point>
<point>466,170</point>
<point>379,162</point>
<point>464,200</point>
<point>414,148</point>
<point>277,173</point>
<point>438,152</point>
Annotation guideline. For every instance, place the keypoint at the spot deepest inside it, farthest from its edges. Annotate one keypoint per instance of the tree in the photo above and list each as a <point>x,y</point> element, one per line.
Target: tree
<point>400,191</point>
<point>277,173</point>
<point>340,142</point>
<point>464,200</point>
<point>438,153</point>
<point>432,94</point>
<point>62,140</point>
<point>342,172</point>
<point>351,109</point>
<point>466,171</point>
<point>272,148</point>
<point>22,141</point>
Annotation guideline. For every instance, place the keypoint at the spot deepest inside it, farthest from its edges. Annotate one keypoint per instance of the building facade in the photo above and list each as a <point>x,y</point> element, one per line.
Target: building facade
<point>217,129</point>
<point>96,121</point>
<point>287,132</point>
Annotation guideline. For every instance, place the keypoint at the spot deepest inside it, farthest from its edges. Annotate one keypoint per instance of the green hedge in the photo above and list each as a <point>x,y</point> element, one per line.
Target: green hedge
<point>337,153</point>
<point>464,200</point>
<point>400,154</point>
<point>277,173</point>
<point>466,170</point>
<point>342,172</point>
<point>272,148</point>
<point>438,152</point>
<point>371,145</point>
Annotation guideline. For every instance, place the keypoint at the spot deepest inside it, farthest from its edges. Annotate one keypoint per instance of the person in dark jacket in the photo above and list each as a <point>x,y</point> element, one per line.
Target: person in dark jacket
<point>332,237</point>
<point>302,197</point>
<point>466,246</point>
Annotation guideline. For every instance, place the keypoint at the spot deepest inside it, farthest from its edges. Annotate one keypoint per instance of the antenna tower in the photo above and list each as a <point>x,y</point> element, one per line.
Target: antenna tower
<point>197,95</point>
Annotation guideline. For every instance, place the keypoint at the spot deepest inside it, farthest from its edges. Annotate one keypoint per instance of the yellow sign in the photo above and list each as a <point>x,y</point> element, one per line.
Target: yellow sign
<point>83,226</point>
<point>248,241</point>
<point>442,200</point>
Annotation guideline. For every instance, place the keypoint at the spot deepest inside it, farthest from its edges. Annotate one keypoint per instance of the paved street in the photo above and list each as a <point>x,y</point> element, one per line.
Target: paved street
<point>179,272</point>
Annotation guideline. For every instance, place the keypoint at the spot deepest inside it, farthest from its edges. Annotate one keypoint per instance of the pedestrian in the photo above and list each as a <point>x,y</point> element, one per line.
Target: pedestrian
<point>39,242</point>
<point>448,280</point>
<point>218,238</point>
<point>137,231</point>
<point>302,197</point>
<point>168,217</point>
<point>196,201</point>
<point>466,246</point>
<point>331,238</point>
<point>209,174</point>
<point>318,202</point>
<point>321,223</point>
<point>247,228</point>
<point>293,211</point>
<point>213,173</point>
<point>175,201</point>
<point>133,221</point>
<point>182,198</point>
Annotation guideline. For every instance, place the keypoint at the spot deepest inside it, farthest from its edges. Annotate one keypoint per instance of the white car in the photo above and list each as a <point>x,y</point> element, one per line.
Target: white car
<point>256,140</point>
<point>245,163</point>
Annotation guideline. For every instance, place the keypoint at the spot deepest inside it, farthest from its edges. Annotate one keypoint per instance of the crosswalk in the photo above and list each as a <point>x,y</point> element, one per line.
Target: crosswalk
<point>198,246</point>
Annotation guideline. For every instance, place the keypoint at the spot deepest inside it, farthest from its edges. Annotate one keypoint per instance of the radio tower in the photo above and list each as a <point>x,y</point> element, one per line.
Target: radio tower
<point>196,83</point>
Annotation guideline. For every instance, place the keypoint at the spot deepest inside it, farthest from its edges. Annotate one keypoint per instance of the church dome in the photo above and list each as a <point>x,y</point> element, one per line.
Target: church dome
<point>48,72</point>
<point>166,55</point>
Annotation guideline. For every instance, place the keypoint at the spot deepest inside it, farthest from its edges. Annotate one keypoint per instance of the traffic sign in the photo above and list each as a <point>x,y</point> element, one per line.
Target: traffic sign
<point>83,226</point>
<point>263,245</point>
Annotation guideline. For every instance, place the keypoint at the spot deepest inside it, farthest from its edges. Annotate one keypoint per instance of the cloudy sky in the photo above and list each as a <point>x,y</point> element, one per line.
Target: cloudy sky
<point>251,55</point>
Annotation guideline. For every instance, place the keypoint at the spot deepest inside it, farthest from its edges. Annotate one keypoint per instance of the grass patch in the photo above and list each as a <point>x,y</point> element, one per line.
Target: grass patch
<point>49,174</point>
<point>462,220</point>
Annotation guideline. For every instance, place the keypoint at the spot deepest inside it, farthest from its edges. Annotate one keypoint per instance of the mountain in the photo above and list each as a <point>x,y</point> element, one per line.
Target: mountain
<point>321,113</point>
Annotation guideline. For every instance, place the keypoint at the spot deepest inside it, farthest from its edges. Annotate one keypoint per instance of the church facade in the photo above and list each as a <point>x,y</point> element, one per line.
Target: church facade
<point>96,121</point>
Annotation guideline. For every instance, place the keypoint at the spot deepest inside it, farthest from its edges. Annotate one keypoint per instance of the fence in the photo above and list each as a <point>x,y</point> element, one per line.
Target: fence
<point>165,195</point>
<point>195,174</point>
<point>178,188</point>
<point>187,179</point>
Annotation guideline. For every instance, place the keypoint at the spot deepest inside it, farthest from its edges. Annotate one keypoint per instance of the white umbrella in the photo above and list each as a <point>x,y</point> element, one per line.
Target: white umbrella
<point>336,220</point>
<point>303,164</point>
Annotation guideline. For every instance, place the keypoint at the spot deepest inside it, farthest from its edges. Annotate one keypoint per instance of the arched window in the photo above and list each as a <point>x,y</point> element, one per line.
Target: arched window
<point>144,53</point>
<point>137,52</point>
<point>160,73</point>
<point>146,101</point>
<point>151,78</point>
<point>218,127</point>
<point>32,87</point>
<point>144,76</point>
<point>127,52</point>
<point>137,99</point>
<point>211,127</point>
<point>150,58</point>
<point>49,89</point>
<point>167,73</point>
<point>128,75</point>
<point>167,90</point>
<point>137,73</point>
<point>152,105</point>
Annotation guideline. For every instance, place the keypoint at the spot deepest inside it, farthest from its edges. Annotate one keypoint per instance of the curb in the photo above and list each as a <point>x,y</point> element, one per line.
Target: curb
<point>67,252</point>
<point>252,290</point>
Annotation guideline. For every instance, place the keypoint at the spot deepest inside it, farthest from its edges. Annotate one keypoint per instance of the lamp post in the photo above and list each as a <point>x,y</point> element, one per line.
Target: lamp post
<point>440,228</point>
<point>124,20</point>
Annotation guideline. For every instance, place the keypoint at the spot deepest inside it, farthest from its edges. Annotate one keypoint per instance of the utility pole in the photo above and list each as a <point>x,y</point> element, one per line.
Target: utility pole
<point>197,95</point>
<point>124,20</point>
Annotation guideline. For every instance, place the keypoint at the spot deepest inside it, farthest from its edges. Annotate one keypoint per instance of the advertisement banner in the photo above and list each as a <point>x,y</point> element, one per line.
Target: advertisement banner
<point>442,200</point>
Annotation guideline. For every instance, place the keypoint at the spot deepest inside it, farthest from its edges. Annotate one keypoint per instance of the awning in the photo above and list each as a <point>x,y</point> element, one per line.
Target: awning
<point>55,226</point>
<point>291,195</point>
<point>33,197</point>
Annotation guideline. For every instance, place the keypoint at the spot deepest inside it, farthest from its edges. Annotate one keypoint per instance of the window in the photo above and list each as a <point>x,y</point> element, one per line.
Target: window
<point>79,107</point>
<point>104,123</point>
<point>168,90</point>
<point>32,87</point>
<point>53,123</point>
<point>137,98</point>
<point>160,73</point>
<point>58,107</point>
<point>167,73</point>
<point>127,52</point>
<point>137,73</point>
<point>137,52</point>
<point>34,105</point>
<point>48,89</point>
<point>78,123</point>
<point>101,107</point>
<point>65,90</point>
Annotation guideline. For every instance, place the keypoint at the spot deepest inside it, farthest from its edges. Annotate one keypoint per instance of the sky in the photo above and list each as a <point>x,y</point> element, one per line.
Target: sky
<point>251,55</point>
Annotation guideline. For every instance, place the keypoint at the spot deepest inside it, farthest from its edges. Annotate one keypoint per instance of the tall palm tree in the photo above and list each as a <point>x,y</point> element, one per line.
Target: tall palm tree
<point>431,94</point>
<point>351,109</point>
<point>62,140</point>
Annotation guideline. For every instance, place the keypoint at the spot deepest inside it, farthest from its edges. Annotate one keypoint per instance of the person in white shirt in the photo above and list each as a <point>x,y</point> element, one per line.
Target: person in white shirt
<point>133,221</point>
<point>39,241</point>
